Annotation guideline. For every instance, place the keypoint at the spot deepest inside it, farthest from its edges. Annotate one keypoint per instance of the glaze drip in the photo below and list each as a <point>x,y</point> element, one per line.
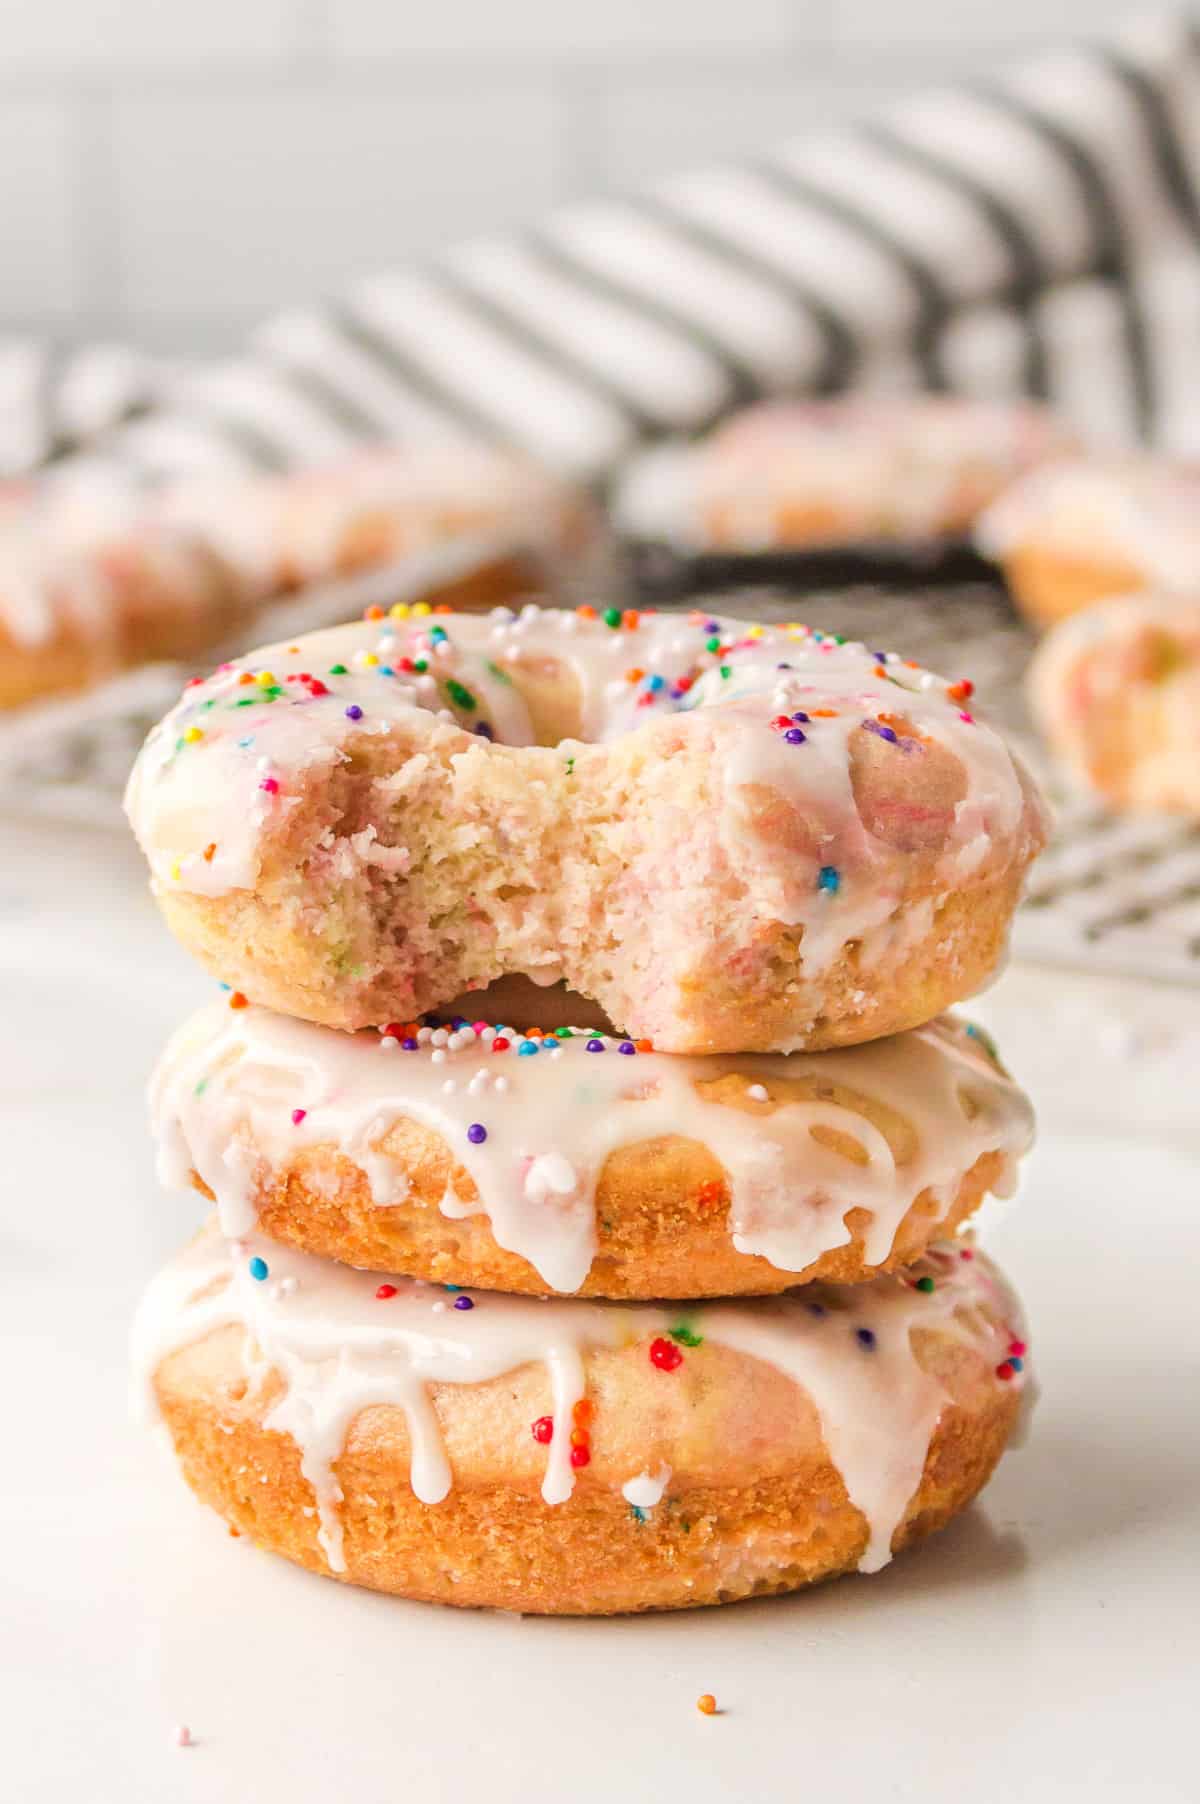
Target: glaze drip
<point>239,1092</point>
<point>338,1349</point>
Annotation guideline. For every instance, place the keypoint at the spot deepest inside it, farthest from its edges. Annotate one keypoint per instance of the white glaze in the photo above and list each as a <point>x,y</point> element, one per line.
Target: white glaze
<point>339,1349</point>
<point>890,467</point>
<point>203,818</point>
<point>644,1491</point>
<point>1135,509</point>
<point>225,1091</point>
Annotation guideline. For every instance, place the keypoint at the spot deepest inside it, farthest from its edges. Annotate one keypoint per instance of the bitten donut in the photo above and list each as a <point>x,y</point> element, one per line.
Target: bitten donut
<point>581,1163</point>
<point>1116,691</point>
<point>853,470</point>
<point>578,1458</point>
<point>731,837</point>
<point>1082,530</point>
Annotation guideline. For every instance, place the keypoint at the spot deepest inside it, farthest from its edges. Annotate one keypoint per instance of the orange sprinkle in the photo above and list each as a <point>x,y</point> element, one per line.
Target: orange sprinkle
<point>710,1193</point>
<point>644,1045</point>
<point>245,677</point>
<point>580,1437</point>
<point>635,675</point>
<point>237,1000</point>
<point>630,618</point>
<point>443,607</point>
<point>707,1704</point>
<point>374,612</point>
<point>586,612</point>
<point>823,713</point>
<point>208,852</point>
<point>235,1532</point>
<point>583,1411</point>
<point>879,671</point>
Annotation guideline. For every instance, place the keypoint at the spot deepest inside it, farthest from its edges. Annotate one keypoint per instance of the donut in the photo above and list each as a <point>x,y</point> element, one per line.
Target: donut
<point>574,1162</point>
<point>567,1457</point>
<point>1081,530</point>
<point>1116,691</point>
<point>850,471</point>
<point>732,837</point>
<point>91,584</point>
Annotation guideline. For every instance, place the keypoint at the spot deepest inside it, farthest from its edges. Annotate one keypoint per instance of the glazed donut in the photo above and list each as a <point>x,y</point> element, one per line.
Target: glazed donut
<point>731,837</point>
<point>853,470</point>
<point>1082,530</point>
<point>1116,691</point>
<point>577,1163</point>
<point>571,1457</point>
<point>94,580</point>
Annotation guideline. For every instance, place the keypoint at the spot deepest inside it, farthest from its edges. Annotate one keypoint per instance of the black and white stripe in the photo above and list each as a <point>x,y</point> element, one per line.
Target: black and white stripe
<point>1037,233</point>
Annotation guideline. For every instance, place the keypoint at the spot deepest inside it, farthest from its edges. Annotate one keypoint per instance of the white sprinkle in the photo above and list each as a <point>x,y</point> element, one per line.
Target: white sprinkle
<point>488,1035</point>
<point>450,1086</point>
<point>500,1085</point>
<point>438,1057</point>
<point>424,1035</point>
<point>438,1308</point>
<point>439,1036</point>
<point>388,1043</point>
<point>288,1286</point>
<point>758,1093</point>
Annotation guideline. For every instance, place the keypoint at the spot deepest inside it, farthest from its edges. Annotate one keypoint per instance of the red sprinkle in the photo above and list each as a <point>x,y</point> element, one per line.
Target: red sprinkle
<point>1017,1349</point>
<point>1004,1370</point>
<point>500,1044</point>
<point>271,785</point>
<point>665,1355</point>
<point>385,1291</point>
<point>543,1430</point>
<point>316,686</point>
<point>966,1253</point>
<point>782,722</point>
<point>298,1116</point>
<point>581,1456</point>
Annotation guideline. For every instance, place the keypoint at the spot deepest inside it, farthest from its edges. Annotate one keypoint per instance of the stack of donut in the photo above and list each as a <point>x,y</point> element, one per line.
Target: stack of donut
<point>501,1303</point>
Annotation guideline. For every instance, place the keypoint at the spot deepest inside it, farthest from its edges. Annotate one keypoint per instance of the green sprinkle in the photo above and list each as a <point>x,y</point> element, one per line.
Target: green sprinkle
<point>210,703</point>
<point>247,701</point>
<point>685,1525</point>
<point>712,645</point>
<point>179,745</point>
<point>570,767</point>
<point>501,676</point>
<point>421,664</point>
<point>337,670</point>
<point>687,1337</point>
<point>563,1033</point>
<point>637,1514</point>
<point>724,670</point>
<point>611,617</point>
<point>460,695</point>
<point>925,1284</point>
<point>270,693</point>
<point>201,1087</point>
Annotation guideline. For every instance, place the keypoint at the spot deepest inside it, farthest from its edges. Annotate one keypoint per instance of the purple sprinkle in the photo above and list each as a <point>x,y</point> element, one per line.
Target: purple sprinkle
<point>866,1338</point>
<point>483,730</point>
<point>800,718</point>
<point>795,736</point>
<point>816,1309</point>
<point>783,667</point>
<point>409,1045</point>
<point>880,657</point>
<point>457,1021</point>
<point>463,1303</point>
<point>888,733</point>
<point>354,712</point>
<point>477,1133</point>
<point>627,1046</point>
<point>595,1046</point>
<point>712,626</point>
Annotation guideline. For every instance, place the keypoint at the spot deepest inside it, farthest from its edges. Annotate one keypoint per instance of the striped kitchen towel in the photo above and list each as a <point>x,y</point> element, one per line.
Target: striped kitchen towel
<point>1036,232</point>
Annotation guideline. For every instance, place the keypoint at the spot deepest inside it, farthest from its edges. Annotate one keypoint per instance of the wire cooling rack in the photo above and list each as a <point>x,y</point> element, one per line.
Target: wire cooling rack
<point>1111,893</point>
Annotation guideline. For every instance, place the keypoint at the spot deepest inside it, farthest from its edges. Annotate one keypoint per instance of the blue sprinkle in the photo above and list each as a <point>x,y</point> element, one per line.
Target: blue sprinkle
<point>354,712</point>
<point>1018,1365</point>
<point>866,1338</point>
<point>527,1048</point>
<point>437,634</point>
<point>386,670</point>
<point>627,1046</point>
<point>258,1268</point>
<point>595,1046</point>
<point>639,1515</point>
<point>829,879</point>
<point>655,683</point>
<point>455,1288</point>
<point>224,986</point>
<point>245,744</point>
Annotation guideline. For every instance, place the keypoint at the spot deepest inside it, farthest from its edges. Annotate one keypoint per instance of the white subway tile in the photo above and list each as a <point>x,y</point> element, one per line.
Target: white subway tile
<point>868,25</point>
<point>111,33</point>
<point>551,28</point>
<point>42,279</point>
<point>233,206</point>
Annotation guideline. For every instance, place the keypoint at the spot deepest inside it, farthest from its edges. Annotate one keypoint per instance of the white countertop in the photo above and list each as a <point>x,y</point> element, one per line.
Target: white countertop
<point>1045,1647</point>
